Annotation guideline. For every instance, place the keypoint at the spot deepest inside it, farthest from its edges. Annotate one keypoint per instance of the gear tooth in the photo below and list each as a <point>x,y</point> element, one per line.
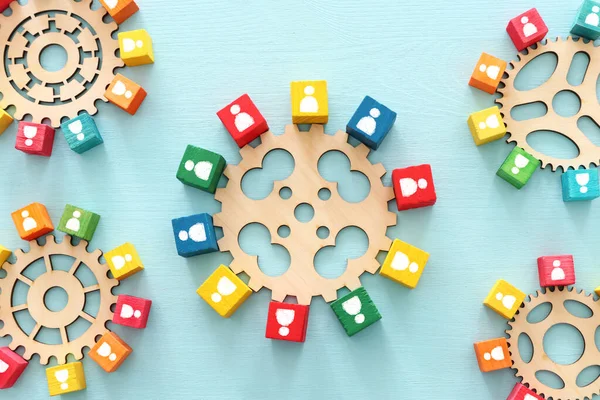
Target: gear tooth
<point>291,129</point>
<point>219,195</point>
<point>246,150</point>
<point>97,254</point>
<point>317,129</point>
<point>78,354</point>
<point>362,150</point>
<point>329,295</point>
<point>267,137</point>
<point>236,266</point>
<point>279,296</point>
<point>254,284</point>
<point>224,244</point>
<point>379,170</point>
<point>371,266</point>
<point>352,282</point>
<point>391,219</point>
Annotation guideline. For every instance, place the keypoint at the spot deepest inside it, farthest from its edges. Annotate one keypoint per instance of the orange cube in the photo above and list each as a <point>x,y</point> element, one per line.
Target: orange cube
<point>488,73</point>
<point>110,352</point>
<point>125,94</point>
<point>120,10</point>
<point>32,221</point>
<point>492,355</point>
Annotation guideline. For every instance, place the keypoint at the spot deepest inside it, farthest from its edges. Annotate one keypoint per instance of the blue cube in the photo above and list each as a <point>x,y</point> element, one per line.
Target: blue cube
<point>371,122</point>
<point>587,23</point>
<point>81,133</point>
<point>195,235</point>
<point>580,185</point>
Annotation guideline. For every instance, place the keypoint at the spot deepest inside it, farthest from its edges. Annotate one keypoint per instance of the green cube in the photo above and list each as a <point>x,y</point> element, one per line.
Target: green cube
<point>201,168</point>
<point>518,167</point>
<point>356,311</point>
<point>78,222</point>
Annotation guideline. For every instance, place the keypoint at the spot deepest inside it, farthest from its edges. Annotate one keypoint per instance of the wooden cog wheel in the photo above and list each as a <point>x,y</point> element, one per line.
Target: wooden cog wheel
<point>301,280</point>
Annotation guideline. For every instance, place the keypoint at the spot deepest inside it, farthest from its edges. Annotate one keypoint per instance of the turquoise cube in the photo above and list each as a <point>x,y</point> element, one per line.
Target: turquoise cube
<point>587,23</point>
<point>371,122</point>
<point>81,133</point>
<point>194,235</point>
<point>580,185</point>
<point>518,168</point>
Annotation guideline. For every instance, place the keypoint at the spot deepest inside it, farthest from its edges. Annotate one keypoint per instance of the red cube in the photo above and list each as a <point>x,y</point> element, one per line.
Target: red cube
<point>132,311</point>
<point>413,187</point>
<point>12,366</point>
<point>287,322</point>
<point>556,270</point>
<point>36,139</point>
<point>243,120</point>
<point>4,4</point>
<point>521,392</point>
<point>527,29</point>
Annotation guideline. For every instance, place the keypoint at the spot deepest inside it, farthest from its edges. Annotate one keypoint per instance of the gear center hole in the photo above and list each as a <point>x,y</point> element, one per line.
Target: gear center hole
<point>304,212</point>
<point>564,344</point>
<point>56,299</point>
<point>566,103</point>
<point>53,58</point>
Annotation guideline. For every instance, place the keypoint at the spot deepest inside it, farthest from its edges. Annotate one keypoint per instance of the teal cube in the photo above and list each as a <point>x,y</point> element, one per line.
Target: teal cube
<point>518,167</point>
<point>356,311</point>
<point>580,185</point>
<point>78,222</point>
<point>81,133</point>
<point>201,168</point>
<point>587,22</point>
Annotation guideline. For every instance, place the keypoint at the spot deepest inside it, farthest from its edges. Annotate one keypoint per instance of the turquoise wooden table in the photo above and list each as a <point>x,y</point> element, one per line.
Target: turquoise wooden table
<point>416,58</point>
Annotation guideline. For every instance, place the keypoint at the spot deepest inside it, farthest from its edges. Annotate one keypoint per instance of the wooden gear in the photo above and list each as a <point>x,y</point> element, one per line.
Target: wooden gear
<point>566,49</point>
<point>301,279</point>
<point>50,319</point>
<point>540,360</point>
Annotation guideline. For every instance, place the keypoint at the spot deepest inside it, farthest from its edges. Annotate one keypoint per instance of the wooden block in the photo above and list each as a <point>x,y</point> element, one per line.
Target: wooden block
<point>309,102</point>
<point>486,125</point>
<point>505,299</point>
<point>81,133</point>
<point>580,185</point>
<point>356,311</point>
<point>5,118</point>
<point>132,311</point>
<point>518,168</point>
<point>521,392</point>
<point>404,264</point>
<point>556,270</point>
<point>413,187</point>
<point>136,48</point>
<point>36,139</point>
<point>201,168</point>
<point>124,261</point>
<point>4,5</point>
<point>597,291</point>
<point>287,322</point>
<point>492,355</point>
<point>32,221</point>
<point>242,120</point>
<point>224,291</point>
<point>587,22</point>
<point>12,366</point>
<point>527,29</point>
<point>4,254</point>
<point>371,122</point>
<point>120,10</point>
<point>488,73</point>
<point>66,378</point>
<point>125,94</point>
<point>194,235</point>
<point>110,352</point>
<point>78,222</point>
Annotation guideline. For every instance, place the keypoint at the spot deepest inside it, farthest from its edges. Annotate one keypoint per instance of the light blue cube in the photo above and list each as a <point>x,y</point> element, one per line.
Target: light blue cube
<point>587,23</point>
<point>371,122</point>
<point>580,185</point>
<point>195,235</point>
<point>81,133</point>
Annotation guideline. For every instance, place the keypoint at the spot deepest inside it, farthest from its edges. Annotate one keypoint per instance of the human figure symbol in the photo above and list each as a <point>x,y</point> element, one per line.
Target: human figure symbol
<point>243,120</point>
<point>309,103</point>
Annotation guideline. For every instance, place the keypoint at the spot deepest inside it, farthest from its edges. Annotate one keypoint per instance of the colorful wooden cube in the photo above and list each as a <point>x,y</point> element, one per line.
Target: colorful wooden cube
<point>287,321</point>
<point>32,221</point>
<point>488,73</point>
<point>224,291</point>
<point>371,122</point>
<point>580,185</point>
<point>242,120</point>
<point>4,254</point>
<point>81,133</point>
<point>110,352</point>
<point>404,264</point>
<point>413,187</point>
<point>136,48</point>
<point>556,270</point>
<point>36,139</point>
<point>201,168</point>
<point>4,4</point>
<point>521,392</point>
<point>518,168</point>
<point>132,311</point>
<point>309,102</point>
<point>5,118</point>
<point>492,355</point>
<point>527,29</point>
<point>587,22</point>
<point>486,125</point>
<point>194,235</point>
<point>124,261</point>
<point>356,311</point>
<point>12,366</point>
<point>505,299</point>
<point>125,94</point>
<point>78,222</point>
<point>120,10</point>
<point>64,379</point>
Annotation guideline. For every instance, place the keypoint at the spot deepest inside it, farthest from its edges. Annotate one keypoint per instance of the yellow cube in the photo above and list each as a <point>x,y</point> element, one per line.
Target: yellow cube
<point>136,48</point>
<point>487,125</point>
<point>65,378</point>
<point>597,290</point>
<point>404,264</point>
<point>309,102</point>
<point>5,121</point>
<point>505,299</point>
<point>4,254</point>
<point>124,261</point>
<point>224,291</point>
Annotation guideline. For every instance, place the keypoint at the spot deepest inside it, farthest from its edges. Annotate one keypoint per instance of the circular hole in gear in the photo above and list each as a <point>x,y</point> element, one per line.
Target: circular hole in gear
<point>56,299</point>
<point>323,232</point>
<point>563,343</point>
<point>53,58</point>
<point>304,212</point>
<point>285,193</point>
<point>284,231</point>
<point>324,194</point>
<point>566,103</point>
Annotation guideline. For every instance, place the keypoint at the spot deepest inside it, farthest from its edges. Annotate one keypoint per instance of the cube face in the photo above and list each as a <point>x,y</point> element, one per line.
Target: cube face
<point>32,221</point>
<point>521,392</point>
<point>81,133</point>
<point>356,311</point>
<point>124,261</point>
<point>125,94</point>
<point>110,352</point>
<point>242,120</point>
<point>120,10</point>
<point>587,22</point>
<point>5,118</point>
<point>4,4</point>
<point>66,378</point>
<point>527,29</point>
<point>413,187</point>
<point>136,48</point>
<point>404,264</point>
<point>492,355</point>
<point>505,299</point>
<point>488,73</point>
<point>287,322</point>
<point>4,255</point>
<point>201,169</point>
<point>309,102</point>
<point>580,185</point>
<point>518,168</point>
<point>224,291</point>
<point>12,366</point>
<point>78,222</point>
<point>556,270</point>
<point>371,122</point>
<point>36,139</point>
<point>487,125</point>
<point>132,311</point>
<point>195,235</point>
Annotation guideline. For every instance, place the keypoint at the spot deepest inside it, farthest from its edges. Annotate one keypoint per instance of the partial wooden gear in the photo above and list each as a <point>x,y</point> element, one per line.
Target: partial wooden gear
<point>37,308</point>
<point>536,331</point>
<point>565,49</point>
<point>301,280</point>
